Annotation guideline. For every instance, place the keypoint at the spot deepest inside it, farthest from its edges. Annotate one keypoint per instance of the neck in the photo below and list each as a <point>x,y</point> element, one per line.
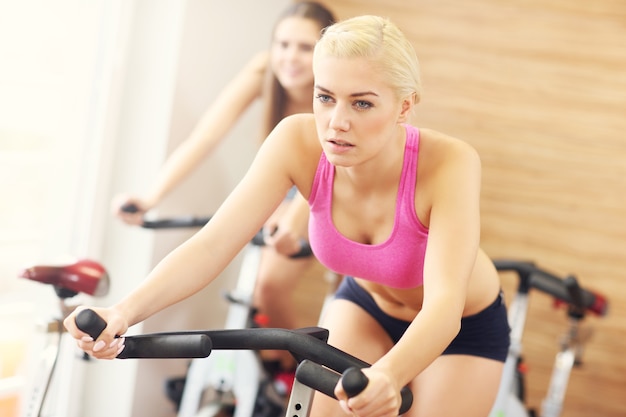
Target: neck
<point>381,172</point>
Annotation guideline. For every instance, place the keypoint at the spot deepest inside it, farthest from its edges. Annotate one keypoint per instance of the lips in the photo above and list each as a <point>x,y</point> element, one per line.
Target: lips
<point>339,142</point>
<point>291,72</point>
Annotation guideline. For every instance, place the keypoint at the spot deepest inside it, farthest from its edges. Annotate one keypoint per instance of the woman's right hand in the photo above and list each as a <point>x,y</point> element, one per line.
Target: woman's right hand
<point>108,344</point>
<point>135,217</point>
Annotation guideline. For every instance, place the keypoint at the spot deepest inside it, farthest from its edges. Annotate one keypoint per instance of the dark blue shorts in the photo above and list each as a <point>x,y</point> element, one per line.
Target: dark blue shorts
<point>485,334</point>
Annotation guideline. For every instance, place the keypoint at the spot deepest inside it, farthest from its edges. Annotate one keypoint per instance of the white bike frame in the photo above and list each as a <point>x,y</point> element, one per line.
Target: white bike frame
<point>237,372</point>
<point>508,402</point>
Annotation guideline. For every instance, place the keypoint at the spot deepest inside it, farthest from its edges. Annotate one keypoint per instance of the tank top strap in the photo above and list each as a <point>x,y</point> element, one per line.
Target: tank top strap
<point>406,191</point>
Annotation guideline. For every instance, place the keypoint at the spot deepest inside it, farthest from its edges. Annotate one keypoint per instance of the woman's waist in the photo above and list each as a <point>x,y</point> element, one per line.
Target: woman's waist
<point>405,304</point>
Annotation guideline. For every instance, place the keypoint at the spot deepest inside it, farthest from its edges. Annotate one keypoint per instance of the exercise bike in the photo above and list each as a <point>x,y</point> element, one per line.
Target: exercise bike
<point>68,280</point>
<point>229,382</point>
<point>320,365</point>
<point>511,401</point>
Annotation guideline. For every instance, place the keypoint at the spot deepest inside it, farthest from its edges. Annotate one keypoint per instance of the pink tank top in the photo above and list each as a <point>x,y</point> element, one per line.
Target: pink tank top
<point>399,261</point>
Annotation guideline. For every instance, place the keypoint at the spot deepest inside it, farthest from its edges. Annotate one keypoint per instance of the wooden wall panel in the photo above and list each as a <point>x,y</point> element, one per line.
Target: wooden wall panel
<point>539,88</point>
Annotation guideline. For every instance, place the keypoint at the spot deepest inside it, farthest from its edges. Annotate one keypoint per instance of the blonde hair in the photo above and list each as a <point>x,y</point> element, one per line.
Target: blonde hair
<point>378,39</point>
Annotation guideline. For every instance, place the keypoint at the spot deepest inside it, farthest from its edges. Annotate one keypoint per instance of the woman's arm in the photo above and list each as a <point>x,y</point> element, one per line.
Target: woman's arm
<point>199,260</point>
<point>218,119</point>
<point>453,242</point>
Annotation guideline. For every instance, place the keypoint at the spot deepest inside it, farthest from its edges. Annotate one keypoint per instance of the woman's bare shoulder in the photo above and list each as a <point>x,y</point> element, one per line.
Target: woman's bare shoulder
<point>302,124</point>
<point>298,133</point>
<point>295,142</point>
<point>444,158</point>
<point>436,143</point>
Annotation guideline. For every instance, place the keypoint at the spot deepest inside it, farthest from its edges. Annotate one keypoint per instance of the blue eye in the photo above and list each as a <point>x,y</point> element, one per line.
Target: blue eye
<point>362,104</point>
<point>323,98</point>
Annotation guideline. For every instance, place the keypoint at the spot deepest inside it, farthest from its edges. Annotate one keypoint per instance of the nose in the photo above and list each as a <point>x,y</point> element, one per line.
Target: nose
<point>292,53</point>
<point>339,119</point>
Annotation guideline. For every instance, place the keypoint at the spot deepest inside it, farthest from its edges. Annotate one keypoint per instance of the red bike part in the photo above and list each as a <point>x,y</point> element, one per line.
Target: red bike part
<point>83,276</point>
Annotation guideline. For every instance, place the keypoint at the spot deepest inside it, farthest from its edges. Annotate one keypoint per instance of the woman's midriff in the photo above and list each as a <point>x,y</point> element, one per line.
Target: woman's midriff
<point>405,304</point>
<point>401,304</point>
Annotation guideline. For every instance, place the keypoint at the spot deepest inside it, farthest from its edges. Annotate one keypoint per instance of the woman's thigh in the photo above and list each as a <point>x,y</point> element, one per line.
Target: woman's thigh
<point>453,385</point>
<point>456,385</point>
<point>352,330</point>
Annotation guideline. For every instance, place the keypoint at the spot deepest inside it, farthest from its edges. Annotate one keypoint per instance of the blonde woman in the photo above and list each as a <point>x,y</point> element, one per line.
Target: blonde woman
<point>393,206</point>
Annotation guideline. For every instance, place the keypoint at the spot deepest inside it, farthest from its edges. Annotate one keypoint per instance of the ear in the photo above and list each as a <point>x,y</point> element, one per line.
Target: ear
<point>406,107</point>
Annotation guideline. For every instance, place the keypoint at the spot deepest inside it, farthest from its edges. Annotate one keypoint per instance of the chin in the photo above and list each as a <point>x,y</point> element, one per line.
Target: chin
<point>338,160</point>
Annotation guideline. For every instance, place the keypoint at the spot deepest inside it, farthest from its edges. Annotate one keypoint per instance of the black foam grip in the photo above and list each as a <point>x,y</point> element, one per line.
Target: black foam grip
<point>155,346</point>
<point>129,208</point>
<point>91,323</point>
<point>354,381</point>
<point>166,346</point>
<point>324,380</point>
<point>176,223</point>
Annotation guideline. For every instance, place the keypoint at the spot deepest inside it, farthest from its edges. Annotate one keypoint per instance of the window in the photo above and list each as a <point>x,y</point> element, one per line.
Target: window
<point>58,62</point>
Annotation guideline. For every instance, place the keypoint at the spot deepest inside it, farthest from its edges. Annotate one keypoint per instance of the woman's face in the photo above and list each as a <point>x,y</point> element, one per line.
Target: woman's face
<point>356,112</point>
<point>292,51</point>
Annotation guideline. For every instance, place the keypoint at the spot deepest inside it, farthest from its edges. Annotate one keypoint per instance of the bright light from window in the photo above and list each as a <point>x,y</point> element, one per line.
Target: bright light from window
<point>50,57</point>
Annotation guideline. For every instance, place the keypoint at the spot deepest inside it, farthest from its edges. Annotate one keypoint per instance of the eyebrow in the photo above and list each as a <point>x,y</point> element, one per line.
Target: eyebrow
<point>359,94</point>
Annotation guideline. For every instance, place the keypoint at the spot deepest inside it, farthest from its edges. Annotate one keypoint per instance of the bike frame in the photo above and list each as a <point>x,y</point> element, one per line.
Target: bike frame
<point>68,280</point>
<point>237,372</point>
<point>509,402</point>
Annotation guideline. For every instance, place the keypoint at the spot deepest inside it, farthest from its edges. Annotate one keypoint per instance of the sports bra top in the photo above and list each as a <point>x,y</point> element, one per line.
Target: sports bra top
<point>397,262</point>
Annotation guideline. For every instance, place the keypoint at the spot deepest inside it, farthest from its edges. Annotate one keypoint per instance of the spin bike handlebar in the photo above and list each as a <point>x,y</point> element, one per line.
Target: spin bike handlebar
<point>320,364</point>
<point>195,221</point>
<point>565,290</point>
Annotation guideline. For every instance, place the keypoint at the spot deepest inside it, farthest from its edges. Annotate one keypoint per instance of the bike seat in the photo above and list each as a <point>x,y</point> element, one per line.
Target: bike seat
<point>83,276</point>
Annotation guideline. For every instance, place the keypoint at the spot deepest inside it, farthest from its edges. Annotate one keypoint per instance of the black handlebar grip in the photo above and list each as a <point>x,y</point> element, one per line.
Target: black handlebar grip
<point>354,381</point>
<point>575,293</point>
<point>317,377</point>
<point>305,250</point>
<point>176,223</point>
<point>158,346</point>
<point>167,346</point>
<point>129,208</point>
<point>324,380</point>
<point>90,322</point>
